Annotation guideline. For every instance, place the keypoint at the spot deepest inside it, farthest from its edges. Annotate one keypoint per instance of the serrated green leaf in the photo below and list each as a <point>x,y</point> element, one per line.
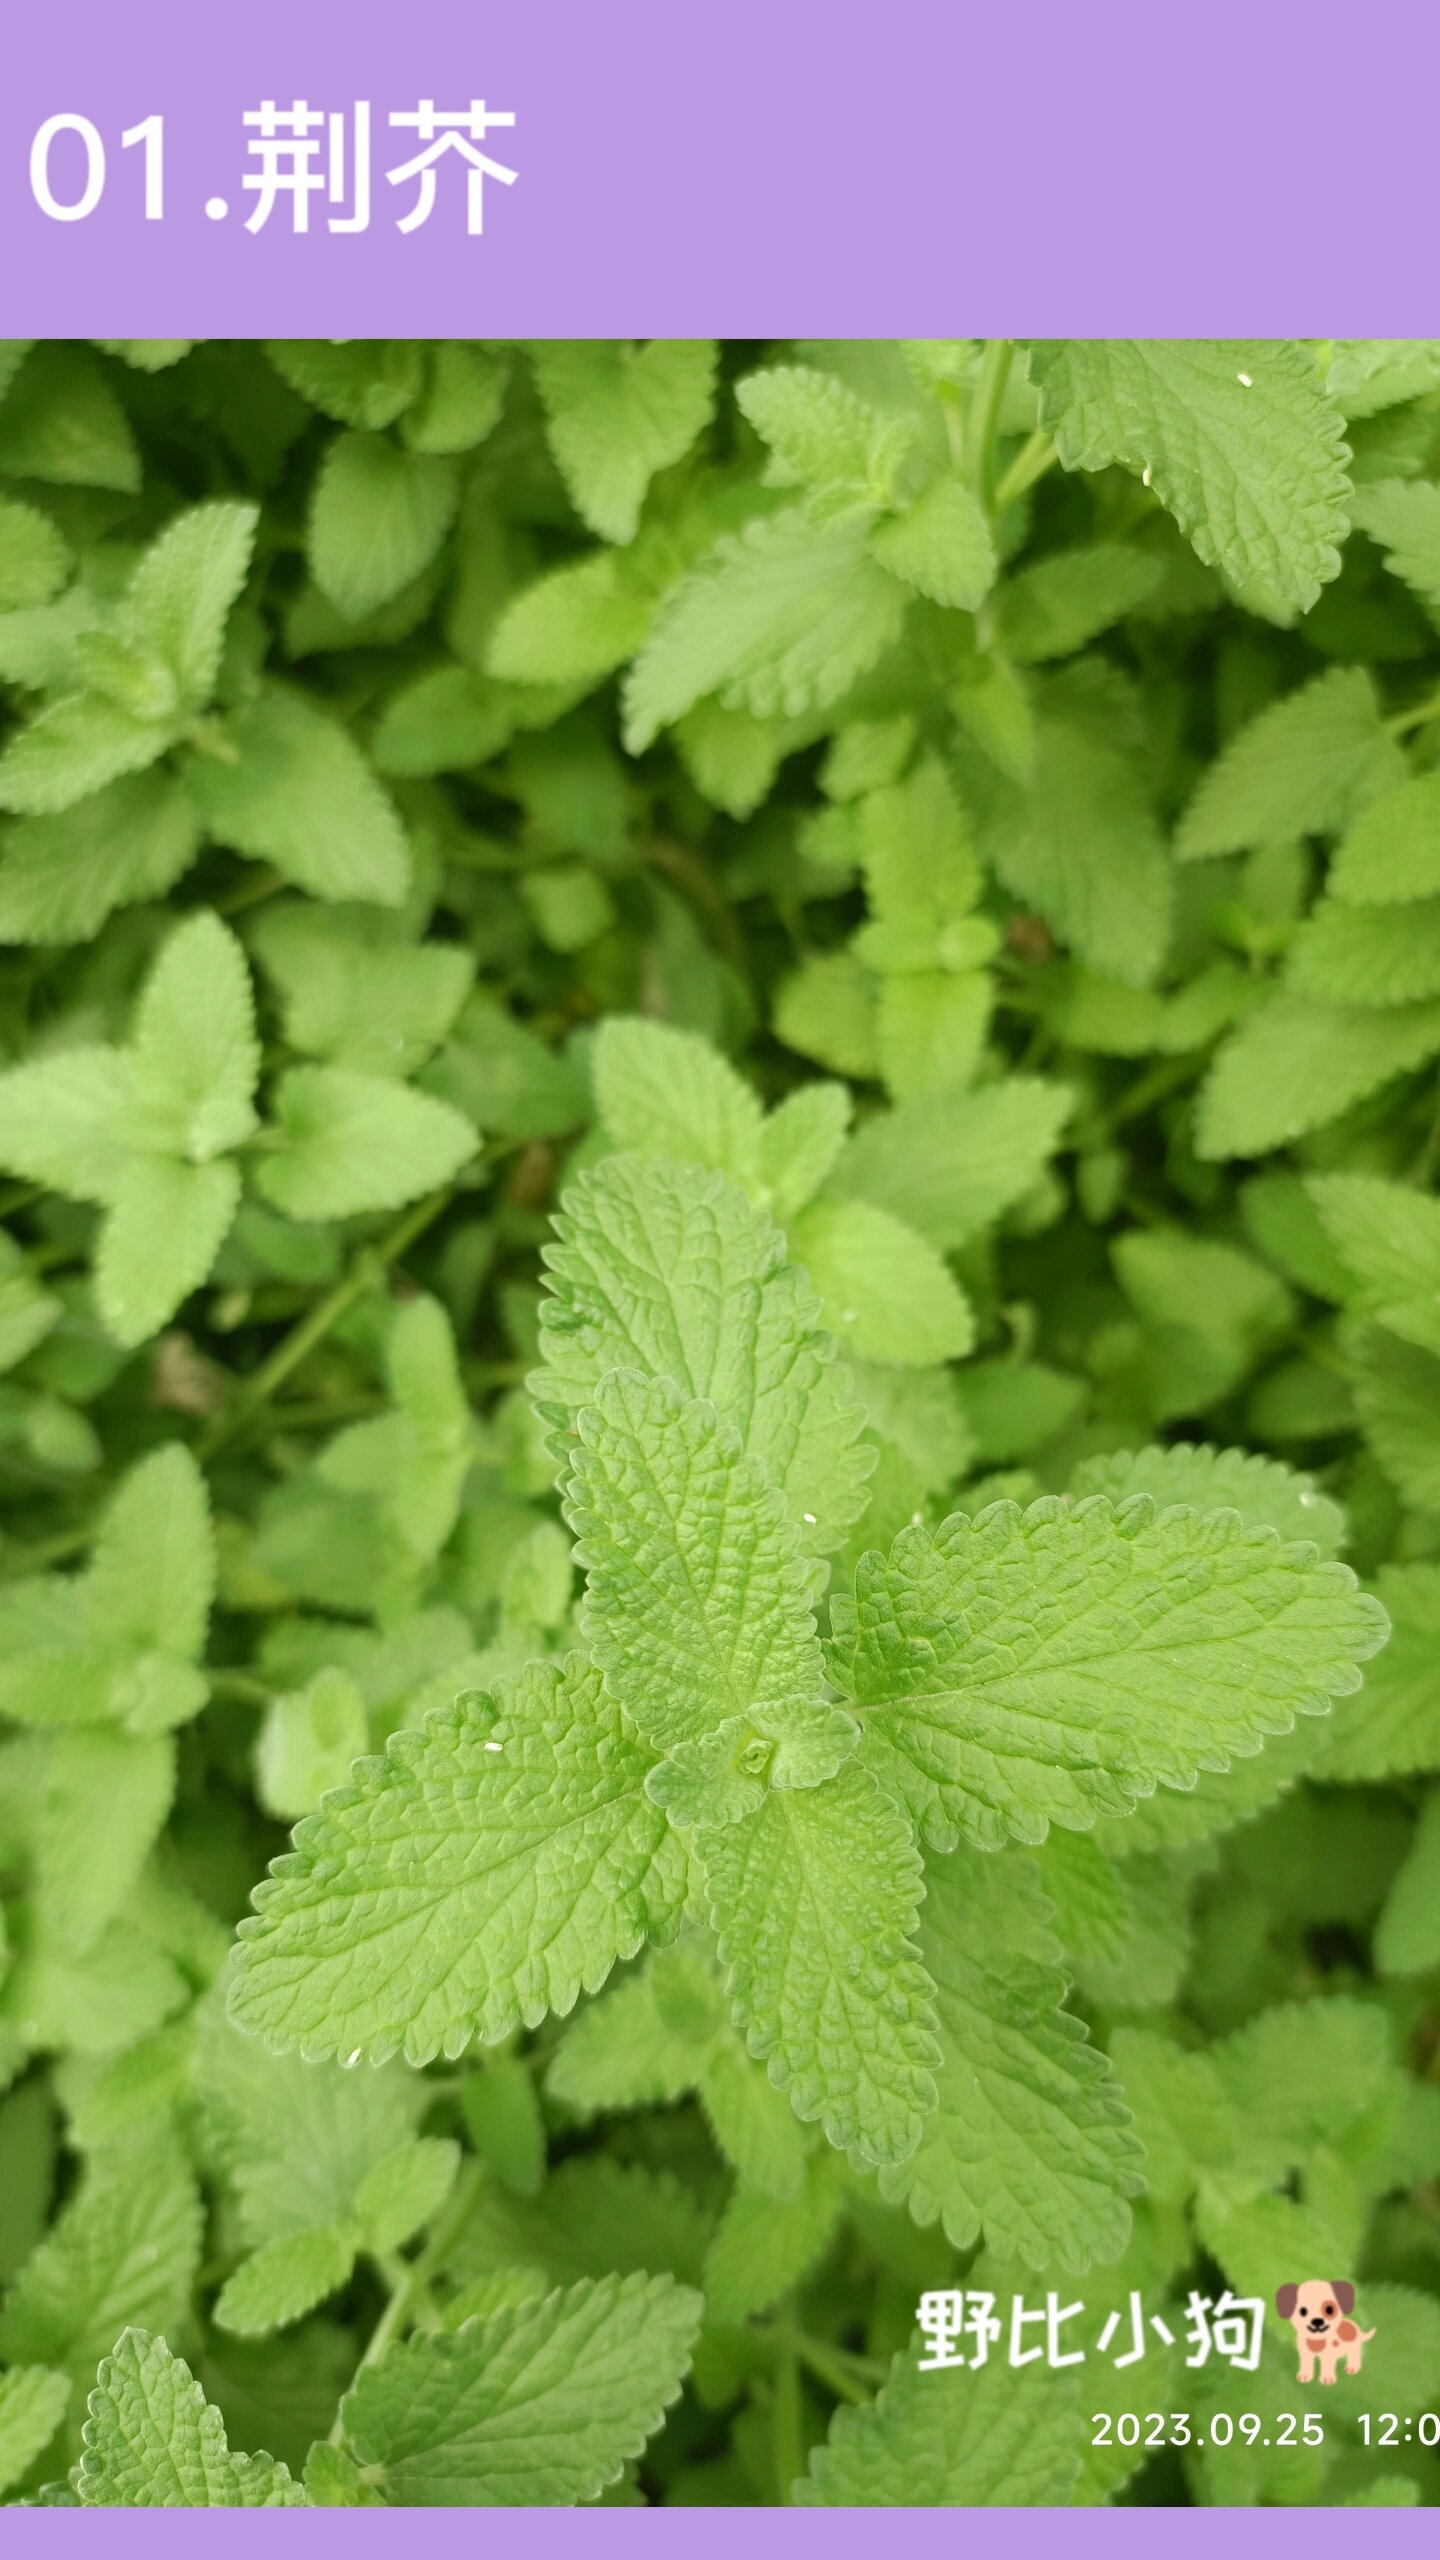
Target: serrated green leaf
<point>299,794</point>
<point>358,1142</point>
<point>404,2190</point>
<point>934,1002</point>
<point>798,1145</point>
<point>1369,374</point>
<point>782,618</point>
<point>1182,2113</point>
<point>505,1078</point>
<point>948,1166</point>
<point>160,1240</point>
<point>731,757</point>
<point>1094,1012</point>
<point>1396,1386</point>
<point>884,1291</point>
<point>617,414</point>
<point>125,2247</point>
<point>751,2120</point>
<point>1208,1310</point>
<point>294,2140</point>
<point>763,2246</point>
<point>462,401</point>
<point>1407,1934</point>
<point>667,1270</point>
<point>574,625</point>
<point>138,2089</point>
<point>1234,435</point>
<point>930,1024</point>
<point>309,1741</point>
<point>1052,1665</point>
<point>356,992</point>
<point>92,2005</point>
<point>1367,955</point>
<point>1266,1494</point>
<point>813,1899</point>
<point>1030,2140</point>
<point>152,1575</point>
<point>646,2040</point>
<point>74,747</point>
<point>1392,852</point>
<point>828,1009</point>
<point>1079,841</point>
<point>553,1787</point>
<point>64,874</point>
<point>697,1606</point>
<point>940,545</point>
<point>1295,1064</point>
<point>823,438</point>
<point>282,2281</point>
<point>32,2404</point>
<point>179,600</point>
<point>596,2217</point>
<point>377,518</point>
<point>1386,1241</point>
<point>663,1092</point>
<point>1054,605</point>
<point>193,1051</point>
<point>538,2406</point>
<point>921,873</point>
<point>443,721</point>
<point>364,382</point>
<point>502,2116</point>
<point>153,2440</point>
<point>1403,517</point>
<point>1281,2111</point>
<point>1309,765</point>
<point>1394,1725</point>
<point>104,1798</point>
<point>62,423</point>
<point>994,2437</point>
<point>33,558</point>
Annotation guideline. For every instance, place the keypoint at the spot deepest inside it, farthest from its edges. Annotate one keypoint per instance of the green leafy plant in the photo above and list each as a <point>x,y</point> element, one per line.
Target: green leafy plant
<point>720,1262</point>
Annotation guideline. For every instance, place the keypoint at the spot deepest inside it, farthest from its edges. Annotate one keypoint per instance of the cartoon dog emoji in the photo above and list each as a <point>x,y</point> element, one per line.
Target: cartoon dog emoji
<point>1328,2337</point>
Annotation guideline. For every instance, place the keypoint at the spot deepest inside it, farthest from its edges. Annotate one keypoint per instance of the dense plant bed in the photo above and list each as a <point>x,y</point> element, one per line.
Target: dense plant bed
<point>718,1129</point>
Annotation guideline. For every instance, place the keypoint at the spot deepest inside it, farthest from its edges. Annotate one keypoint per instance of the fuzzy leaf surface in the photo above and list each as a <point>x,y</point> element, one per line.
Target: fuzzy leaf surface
<point>1052,1665</point>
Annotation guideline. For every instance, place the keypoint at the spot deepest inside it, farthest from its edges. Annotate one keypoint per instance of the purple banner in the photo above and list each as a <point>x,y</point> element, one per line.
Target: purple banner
<point>753,171</point>
<point>708,2533</point>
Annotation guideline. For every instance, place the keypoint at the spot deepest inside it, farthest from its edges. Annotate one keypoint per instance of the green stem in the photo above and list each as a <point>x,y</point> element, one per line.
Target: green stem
<point>1401,722</point>
<point>19,1196</point>
<point>317,1413</point>
<point>25,1560</point>
<point>788,2438</point>
<point>260,1386</point>
<point>242,1686</point>
<point>1036,456</point>
<point>385,2330</point>
<point>1428,1160</point>
<point>251,892</point>
<point>401,2276</point>
<point>1325,1356</point>
<point>982,424</point>
<point>1165,1077</point>
<point>464,2198</point>
<point>408,2280</point>
<point>692,879</point>
<point>830,2365</point>
<point>953,414</point>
